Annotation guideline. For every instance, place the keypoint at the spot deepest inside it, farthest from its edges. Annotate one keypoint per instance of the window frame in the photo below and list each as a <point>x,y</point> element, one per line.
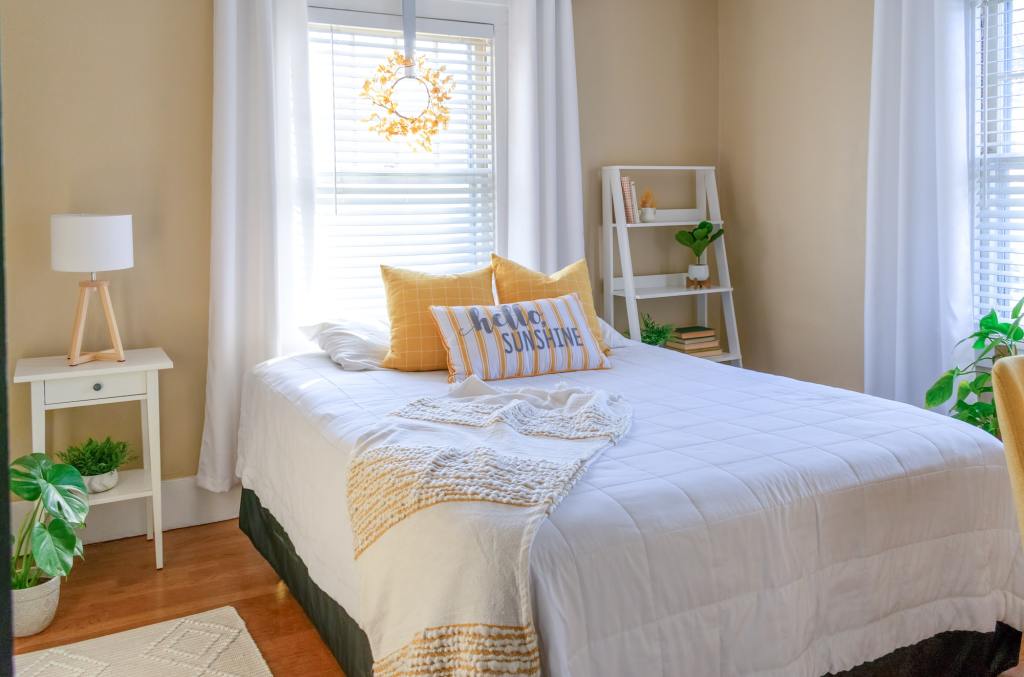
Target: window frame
<point>437,16</point>
<point>976,83</point>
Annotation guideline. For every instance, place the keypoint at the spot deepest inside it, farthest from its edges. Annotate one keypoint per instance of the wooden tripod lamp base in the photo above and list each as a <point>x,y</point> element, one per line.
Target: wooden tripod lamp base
<point>87,288</point>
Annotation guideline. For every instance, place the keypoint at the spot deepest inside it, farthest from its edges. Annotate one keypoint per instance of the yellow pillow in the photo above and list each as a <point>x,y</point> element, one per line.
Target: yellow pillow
<point>517,283</point>
<point>415,343</point>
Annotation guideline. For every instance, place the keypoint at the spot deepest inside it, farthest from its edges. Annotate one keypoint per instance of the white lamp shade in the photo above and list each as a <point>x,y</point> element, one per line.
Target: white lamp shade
<point>89,243</point>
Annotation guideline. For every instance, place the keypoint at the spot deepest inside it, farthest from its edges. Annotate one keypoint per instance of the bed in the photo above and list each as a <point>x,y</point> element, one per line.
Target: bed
<point>749,524</point>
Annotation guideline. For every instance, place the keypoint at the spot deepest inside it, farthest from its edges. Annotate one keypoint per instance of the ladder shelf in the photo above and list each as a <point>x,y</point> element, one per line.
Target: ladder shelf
<point>632,287</point>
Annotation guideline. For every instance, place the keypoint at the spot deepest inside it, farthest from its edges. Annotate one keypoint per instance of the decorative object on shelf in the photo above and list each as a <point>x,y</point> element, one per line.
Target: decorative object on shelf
<point>88,243</point>
<point>629,199</point>
<point>46,543</point>
<point>97,462</point>
<point>698,241</point>
<point>653,333</point>
<point>699,341</point>
<point>618,229</point>
<point>410,95</point>
<point>973,383</point>
<point>648,207</point>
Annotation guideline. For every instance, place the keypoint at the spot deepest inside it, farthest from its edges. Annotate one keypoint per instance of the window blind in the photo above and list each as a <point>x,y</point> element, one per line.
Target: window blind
<point>380,201</point>
<point>998,144</point>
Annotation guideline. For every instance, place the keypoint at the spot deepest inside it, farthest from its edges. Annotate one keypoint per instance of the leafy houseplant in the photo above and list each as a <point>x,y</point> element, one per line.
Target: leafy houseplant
<point>653,333</point>
<point>97,462</point>
<point>698,240</point>
<point>46,543</point>
<point>973,383</point>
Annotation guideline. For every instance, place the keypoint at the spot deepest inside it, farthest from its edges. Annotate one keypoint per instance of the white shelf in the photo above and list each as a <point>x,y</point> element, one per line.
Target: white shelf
<point>724,357</point>
<point>668,168</point>
<point>655,224</point>
<point>131,484</point>
<point>668,290</point>
<point>615,237</point>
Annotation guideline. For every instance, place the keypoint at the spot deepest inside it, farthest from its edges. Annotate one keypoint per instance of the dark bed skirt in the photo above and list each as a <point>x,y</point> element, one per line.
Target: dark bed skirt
<point>949,654</point>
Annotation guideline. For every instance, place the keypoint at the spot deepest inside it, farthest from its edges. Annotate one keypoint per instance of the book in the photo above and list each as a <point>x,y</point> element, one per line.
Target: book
<point>695,344</point>
<point>697,347</point>
<point>707,353</point>
<point>628,199</point>
<point>695,332</point>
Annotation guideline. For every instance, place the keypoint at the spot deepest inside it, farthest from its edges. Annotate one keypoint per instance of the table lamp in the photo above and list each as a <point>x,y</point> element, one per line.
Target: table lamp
<point>88,243</point>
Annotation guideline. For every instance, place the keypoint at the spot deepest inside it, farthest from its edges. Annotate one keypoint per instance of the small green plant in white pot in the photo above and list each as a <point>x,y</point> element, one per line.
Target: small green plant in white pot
<point>47,541</point>
<point>97,462</point>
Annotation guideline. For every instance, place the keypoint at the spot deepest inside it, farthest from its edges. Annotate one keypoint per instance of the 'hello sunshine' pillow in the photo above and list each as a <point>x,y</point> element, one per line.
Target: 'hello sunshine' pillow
<point>518,339</point>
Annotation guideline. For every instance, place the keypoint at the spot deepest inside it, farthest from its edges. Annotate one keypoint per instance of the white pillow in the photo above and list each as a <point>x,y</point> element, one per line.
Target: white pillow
<point>612,338</point>
<point>355,345</point>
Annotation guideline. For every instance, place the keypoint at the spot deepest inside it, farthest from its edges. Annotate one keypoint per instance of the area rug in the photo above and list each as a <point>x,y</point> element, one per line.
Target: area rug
<point>212,644</point>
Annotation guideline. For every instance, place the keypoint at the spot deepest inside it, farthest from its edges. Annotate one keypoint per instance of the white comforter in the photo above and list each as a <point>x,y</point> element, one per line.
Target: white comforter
<point>748,524</point>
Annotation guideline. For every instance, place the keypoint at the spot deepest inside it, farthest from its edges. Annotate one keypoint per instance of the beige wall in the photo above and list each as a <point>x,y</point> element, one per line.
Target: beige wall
<point>107,108</point>
<point>647,81</point>
<point>794,79</point>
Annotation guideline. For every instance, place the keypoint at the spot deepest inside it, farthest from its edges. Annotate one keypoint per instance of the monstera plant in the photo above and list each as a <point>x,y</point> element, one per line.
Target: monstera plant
<point>47,541</point>
<point>972,384</point>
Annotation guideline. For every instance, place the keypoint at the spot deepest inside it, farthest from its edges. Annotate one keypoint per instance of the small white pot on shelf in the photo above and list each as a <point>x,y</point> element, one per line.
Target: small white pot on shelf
<point>35,607</point>
<point>698,272</point>
<point>97,484</point>
<point>648,214</point>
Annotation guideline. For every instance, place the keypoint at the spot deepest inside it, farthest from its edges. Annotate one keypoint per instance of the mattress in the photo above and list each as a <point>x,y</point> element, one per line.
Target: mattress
<point>749,524</point>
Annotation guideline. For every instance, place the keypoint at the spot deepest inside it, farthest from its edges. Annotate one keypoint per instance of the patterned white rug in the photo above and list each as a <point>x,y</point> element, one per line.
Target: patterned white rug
<point>212,644</point>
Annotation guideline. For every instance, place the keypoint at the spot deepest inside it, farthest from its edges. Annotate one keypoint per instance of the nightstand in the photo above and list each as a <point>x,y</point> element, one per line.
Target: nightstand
<point>55,385</point>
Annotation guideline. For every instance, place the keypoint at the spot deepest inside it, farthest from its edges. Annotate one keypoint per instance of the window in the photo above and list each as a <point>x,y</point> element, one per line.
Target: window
<point>380,201</point>
<point>998,148</point>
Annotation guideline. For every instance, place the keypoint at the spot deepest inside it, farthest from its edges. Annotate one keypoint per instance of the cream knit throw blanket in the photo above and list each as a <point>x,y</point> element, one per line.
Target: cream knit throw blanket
<point>445,498</point>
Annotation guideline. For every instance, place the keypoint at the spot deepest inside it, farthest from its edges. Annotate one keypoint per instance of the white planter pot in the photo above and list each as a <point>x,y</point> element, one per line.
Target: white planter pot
<point>34,608</point>
<point>99,483</point>
<point>648,214</point>
<point>698,272</point>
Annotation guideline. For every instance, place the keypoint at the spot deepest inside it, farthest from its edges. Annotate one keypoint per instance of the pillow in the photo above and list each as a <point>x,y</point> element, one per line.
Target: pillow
<point>518,339</point>
<point>355,345</point>
<point>612,338</point>
<point>415,344</point>
<point>518,283</point>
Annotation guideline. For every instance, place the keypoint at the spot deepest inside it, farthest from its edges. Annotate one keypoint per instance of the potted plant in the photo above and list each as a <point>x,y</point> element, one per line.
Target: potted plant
<point>973,383</point>
<point>648,208</point>
<point>653,333</point>
<point>47,541</point>
<point>97,462</point>
<point>698,240</point>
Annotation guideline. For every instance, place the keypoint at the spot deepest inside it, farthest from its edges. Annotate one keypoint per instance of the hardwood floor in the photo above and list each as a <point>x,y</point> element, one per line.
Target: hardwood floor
<point>116,588</point>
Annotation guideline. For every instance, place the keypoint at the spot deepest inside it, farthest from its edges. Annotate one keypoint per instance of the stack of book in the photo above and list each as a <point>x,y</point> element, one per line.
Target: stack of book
<point>697,341</point>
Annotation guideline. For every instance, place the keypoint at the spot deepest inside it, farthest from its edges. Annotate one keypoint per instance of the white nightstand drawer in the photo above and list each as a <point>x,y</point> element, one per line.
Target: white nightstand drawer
<point>58,391</point>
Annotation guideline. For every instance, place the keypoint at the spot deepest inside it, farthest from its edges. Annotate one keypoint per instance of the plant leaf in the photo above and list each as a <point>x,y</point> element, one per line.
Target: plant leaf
<point>1015,313</point>
<point>963,391</point>
<point>27,475</point>
<point>941,391</point>
<point>53,547</point>
<point>989,322</point>
<point>64,494</point>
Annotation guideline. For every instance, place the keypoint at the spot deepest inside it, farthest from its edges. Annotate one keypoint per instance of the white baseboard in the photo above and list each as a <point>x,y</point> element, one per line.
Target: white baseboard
<point>185,505</point>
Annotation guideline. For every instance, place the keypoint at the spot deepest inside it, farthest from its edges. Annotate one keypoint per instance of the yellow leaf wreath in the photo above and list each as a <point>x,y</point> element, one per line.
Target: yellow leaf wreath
<point>419,131</point>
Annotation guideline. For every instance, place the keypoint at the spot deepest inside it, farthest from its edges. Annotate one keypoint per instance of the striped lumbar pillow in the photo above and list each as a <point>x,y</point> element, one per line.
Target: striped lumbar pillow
<point>518,339</point>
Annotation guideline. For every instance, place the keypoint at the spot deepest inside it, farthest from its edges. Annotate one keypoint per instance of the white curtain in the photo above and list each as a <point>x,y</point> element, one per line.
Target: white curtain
<point>545,188</point>
<point>262,207</point>
<point>918,266</point>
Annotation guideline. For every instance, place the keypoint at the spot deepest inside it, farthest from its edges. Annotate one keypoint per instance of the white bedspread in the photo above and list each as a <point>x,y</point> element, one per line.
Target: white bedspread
<point>748,524</point>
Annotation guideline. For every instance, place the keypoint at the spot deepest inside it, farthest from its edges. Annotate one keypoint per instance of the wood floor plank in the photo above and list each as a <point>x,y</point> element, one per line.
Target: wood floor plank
<point>116,588</point>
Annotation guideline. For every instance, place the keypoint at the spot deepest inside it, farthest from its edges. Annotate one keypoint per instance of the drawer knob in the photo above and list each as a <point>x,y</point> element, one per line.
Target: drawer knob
<point>97,387</point>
